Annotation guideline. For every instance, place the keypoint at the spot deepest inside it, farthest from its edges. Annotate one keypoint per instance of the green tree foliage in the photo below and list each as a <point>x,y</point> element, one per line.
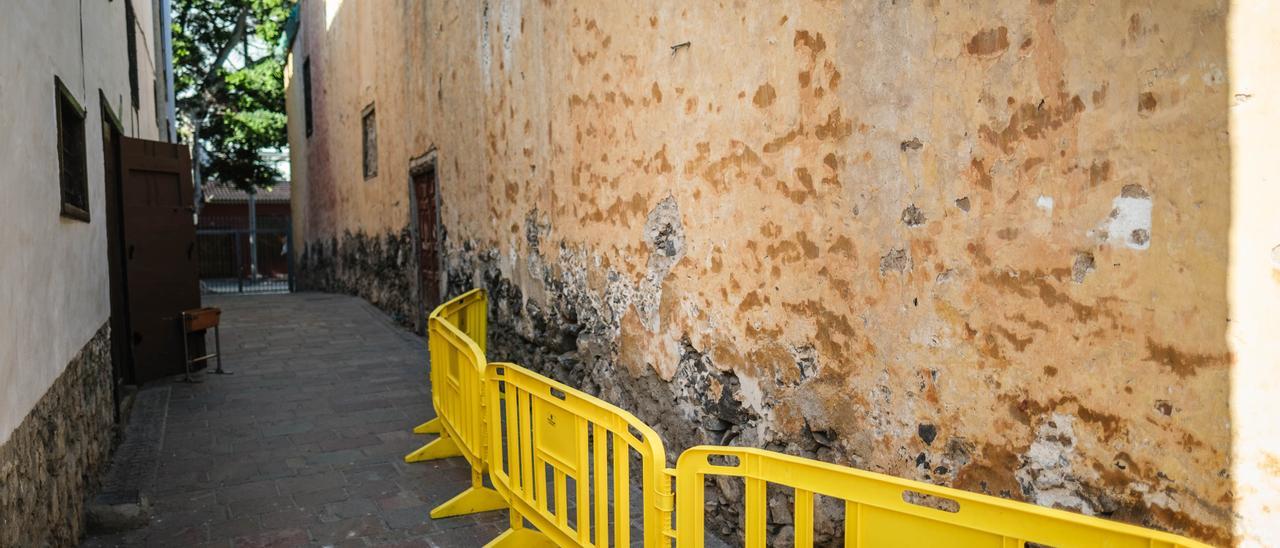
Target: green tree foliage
<point>228,79</point>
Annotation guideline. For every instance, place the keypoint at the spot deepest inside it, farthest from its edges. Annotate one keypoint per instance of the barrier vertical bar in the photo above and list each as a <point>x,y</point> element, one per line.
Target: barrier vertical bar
<point>582,484</point>
<point>621,492</point>
<point>756,516</point>
<point>600,452</point>
<point>804,519</point>
<point>852,525</point>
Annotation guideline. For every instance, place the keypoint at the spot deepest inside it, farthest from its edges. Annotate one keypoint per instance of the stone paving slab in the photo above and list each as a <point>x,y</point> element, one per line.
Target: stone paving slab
<point>303,444</point>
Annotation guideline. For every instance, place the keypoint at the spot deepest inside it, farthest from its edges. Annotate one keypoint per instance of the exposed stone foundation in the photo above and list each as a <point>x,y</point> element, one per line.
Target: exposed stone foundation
<point>378,269</point>
<point>573,334</point>
<point>575,341</point>
<point>52,461</point>
<point>558,317</point>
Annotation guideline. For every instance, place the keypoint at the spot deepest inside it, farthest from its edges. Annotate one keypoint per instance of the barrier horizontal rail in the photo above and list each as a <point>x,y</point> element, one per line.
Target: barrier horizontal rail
<point>884,510</point>
<point>460,367</point>
<point>556,435</point>
<point>469,312</point>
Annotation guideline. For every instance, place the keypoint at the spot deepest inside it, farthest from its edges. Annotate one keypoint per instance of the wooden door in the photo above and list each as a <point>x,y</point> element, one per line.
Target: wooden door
<point>424,191</point>
<point>159,254</point>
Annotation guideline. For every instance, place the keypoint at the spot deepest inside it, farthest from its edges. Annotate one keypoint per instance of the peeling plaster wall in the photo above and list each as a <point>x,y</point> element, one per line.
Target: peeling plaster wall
<point>974,244</point>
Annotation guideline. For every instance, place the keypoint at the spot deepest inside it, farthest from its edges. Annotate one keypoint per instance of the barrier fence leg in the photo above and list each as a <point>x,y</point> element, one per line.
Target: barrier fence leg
<point>517,536</point>
<point>440,448</point>
<point>476,498</point>
<point>430,427</point>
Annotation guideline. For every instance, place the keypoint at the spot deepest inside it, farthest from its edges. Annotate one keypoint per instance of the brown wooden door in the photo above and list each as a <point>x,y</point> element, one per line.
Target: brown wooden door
<point>159,253</point>
<point>424,191</point>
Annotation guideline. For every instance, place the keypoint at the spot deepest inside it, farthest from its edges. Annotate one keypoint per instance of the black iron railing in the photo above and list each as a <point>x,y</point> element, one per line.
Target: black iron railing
<point>237,259</point>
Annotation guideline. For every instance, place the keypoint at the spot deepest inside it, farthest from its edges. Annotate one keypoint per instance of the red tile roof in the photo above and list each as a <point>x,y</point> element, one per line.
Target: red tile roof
<point>222,193</point>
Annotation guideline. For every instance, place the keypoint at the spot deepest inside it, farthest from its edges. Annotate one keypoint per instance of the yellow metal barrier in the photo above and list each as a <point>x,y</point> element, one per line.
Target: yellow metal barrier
<point>883,510</point>
<point>548,426</point>
<point>460,402</point>
<point>562,460</point>
<point>469,313</point>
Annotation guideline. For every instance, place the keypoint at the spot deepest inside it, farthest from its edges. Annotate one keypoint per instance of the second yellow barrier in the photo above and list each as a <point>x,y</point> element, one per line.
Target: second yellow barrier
<point>469,312</point>
<point>563,459</point>
<point>460,400</point>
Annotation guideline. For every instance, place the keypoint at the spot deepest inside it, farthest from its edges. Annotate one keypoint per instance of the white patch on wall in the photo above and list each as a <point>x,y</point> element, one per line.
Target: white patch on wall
<point>1214,77</point>
<point>752,396</point>
<point>510,22</point>
<point>932,335</point>
<point>1130,220</point>
<point>1045,203</point>
<point>1047,472</point>
<point>486,53</point>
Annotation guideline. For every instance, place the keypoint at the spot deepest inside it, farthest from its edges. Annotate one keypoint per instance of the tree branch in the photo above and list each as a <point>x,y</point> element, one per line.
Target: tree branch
<point>237,36</point>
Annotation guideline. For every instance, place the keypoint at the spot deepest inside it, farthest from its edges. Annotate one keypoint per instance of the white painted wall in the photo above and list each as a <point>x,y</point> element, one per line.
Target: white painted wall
<point>1254,277</point>
<point>53,270</point>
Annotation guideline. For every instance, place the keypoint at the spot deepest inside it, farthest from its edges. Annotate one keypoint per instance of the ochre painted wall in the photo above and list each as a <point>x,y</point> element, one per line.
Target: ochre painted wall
<point>980,244</point>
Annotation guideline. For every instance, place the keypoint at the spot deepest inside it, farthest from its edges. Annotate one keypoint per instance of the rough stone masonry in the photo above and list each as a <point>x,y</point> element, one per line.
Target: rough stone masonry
<point>52,461</point>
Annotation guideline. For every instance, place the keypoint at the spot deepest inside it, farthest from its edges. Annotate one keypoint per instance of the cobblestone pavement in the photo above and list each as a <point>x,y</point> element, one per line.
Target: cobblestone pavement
<point>303,444</point>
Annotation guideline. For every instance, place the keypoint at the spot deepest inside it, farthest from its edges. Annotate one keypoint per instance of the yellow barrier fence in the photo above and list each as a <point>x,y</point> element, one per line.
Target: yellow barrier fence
<point>460,366</point>
<point>563,461</point>
<point>567,463</point>
<point>882,510</point>
<point>469,313</point>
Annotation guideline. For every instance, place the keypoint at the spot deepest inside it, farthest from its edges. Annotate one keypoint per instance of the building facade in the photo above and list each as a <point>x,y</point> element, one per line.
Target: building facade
<point>1019,248</point>
<point>72,71</point>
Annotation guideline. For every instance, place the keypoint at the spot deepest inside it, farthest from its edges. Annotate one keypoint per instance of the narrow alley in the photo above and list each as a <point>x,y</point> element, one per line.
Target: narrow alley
<point>290,450</point>
<point>671,274</point>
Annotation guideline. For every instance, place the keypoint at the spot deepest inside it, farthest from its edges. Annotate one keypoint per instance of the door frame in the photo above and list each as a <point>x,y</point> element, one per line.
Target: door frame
<point>421,165</point>
<point>117,273</point>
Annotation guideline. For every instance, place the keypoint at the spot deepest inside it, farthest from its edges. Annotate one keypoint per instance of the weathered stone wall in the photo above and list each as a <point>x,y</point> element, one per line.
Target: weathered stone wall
<point>379,269</point>
<point>978,244</point>
<point>51,463</point>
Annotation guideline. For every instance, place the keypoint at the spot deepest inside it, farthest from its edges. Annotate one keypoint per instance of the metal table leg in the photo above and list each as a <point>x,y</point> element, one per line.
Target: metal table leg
<point>186,353</point>
<point>217,349</point>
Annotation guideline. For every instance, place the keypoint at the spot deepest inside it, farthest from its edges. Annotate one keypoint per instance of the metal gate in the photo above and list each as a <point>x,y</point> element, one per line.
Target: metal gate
<point>237,259</point>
